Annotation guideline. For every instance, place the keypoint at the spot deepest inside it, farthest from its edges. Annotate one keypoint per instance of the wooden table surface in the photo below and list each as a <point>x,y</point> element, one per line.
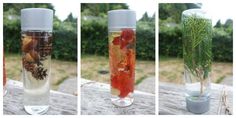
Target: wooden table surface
<point>95,100</point>
<point>60,103</point>
<point>172,100</point>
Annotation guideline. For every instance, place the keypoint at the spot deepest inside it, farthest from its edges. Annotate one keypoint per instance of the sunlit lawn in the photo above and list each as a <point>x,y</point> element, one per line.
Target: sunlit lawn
<point>97,68</point>
<point>171,70</point>
<point>60,70</point>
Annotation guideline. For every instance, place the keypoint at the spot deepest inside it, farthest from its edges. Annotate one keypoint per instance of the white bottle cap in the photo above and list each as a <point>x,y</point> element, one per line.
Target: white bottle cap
<point>118,19</point>
<point>36,19</point>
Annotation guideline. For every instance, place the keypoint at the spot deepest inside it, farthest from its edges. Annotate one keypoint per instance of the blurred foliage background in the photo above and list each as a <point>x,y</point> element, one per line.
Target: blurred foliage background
<point>170,41</point>
<point>94,36</point>
<point>64,32</point>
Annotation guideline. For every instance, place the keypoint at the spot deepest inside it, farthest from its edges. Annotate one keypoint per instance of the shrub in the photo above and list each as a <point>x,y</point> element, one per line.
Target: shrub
<point>94,37</point>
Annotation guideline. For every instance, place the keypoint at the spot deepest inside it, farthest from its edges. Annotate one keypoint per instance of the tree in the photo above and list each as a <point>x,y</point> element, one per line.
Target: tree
<point>173,12</point>
<point>218,24</point>
<point>145,17</point>
<point>70,18</point>
<point>228,23</point>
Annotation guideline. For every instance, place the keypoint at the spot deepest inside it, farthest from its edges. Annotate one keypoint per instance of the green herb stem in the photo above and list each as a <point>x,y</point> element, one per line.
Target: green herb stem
<point>197,45</point>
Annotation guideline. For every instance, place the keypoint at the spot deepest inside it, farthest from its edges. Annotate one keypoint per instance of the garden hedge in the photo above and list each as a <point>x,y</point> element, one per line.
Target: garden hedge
<point>170,43</point>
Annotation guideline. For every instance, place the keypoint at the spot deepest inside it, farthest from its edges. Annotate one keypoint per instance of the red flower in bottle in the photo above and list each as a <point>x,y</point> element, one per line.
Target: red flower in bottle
<point>122,69</point>
<point>126,37</point>
<point>123,82</point>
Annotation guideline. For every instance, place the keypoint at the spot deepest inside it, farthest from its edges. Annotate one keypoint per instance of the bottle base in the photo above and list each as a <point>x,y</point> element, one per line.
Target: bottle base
<point>4,91</point>
<point>122,102</point>
<point>198,106</point>
<point>36,110</point>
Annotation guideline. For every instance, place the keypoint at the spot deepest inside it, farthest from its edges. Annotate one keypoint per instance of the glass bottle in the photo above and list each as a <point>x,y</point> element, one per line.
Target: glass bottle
<point>36,46</point>
<point>4,77</point>
<point>197,54</point>
<point>122,42</point>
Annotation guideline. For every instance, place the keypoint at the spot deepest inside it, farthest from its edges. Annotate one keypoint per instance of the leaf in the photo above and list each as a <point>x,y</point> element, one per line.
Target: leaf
<point>197,45</point>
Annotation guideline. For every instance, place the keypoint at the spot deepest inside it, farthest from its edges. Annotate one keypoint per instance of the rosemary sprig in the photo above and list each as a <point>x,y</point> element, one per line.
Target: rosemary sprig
<point>197,46</point>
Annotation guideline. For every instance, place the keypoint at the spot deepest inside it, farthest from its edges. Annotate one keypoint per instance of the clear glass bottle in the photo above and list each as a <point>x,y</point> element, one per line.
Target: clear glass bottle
<point>36,46</point>
<point>4,78</point>
<point>197,54</point>
<point>122,39</point>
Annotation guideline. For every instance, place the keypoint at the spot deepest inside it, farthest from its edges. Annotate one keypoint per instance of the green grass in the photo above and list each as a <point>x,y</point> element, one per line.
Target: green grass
<point>171,70</point>
<point>61,80</point>
<point>219,80</point>
<point>140,80</point>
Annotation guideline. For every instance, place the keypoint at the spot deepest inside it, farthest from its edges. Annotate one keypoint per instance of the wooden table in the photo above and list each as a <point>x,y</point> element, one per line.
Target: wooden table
<point>95,100</point>
<point>60,103</point>
<point>172,99</point>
